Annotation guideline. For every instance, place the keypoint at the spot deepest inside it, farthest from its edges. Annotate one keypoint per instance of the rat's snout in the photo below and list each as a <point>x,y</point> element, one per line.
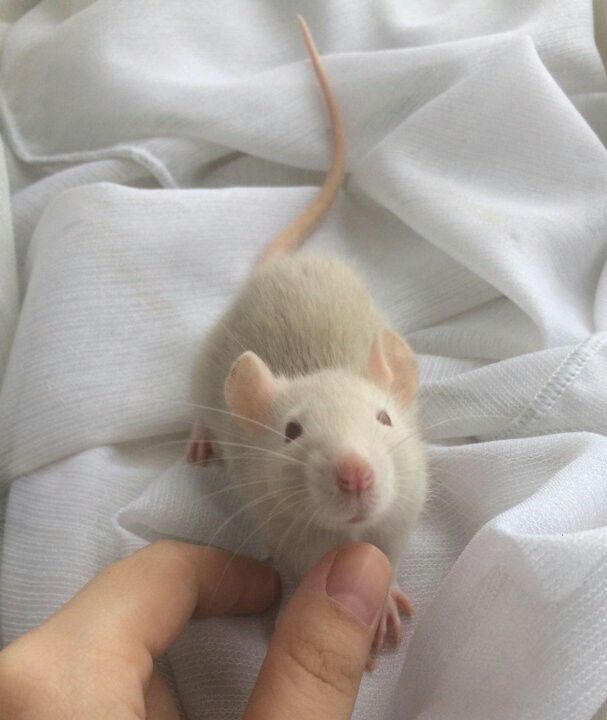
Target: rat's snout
<point>353,473</point>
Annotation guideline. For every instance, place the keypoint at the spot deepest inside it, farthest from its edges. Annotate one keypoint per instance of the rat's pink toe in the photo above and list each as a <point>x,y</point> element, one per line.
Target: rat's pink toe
<point>402,601</point>
<point>201,447</point>
<point>390,624</point>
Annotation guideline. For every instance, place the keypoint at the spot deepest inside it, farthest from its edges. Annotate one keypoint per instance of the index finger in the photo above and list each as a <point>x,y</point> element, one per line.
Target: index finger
<point>145,600</point>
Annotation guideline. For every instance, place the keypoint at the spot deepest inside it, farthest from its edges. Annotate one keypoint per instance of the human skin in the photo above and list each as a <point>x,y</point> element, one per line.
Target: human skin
<point>94,657</point>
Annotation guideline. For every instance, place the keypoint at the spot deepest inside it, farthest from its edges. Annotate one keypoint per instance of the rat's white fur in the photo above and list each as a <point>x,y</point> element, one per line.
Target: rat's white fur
<point>304,342</point>
<point>312,322</point>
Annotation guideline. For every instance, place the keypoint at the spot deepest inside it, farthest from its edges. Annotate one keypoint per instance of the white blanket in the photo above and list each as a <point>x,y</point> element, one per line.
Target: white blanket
<point>154,148</point>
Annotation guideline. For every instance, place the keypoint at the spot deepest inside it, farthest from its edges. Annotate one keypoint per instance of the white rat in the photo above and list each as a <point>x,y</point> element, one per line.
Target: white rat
<point>316,418</point>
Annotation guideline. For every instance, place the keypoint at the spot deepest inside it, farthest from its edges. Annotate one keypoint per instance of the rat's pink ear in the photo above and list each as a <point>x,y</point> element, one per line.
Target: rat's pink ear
<point>250,390</point>
<point>377,369</point>
<point>392,365</point>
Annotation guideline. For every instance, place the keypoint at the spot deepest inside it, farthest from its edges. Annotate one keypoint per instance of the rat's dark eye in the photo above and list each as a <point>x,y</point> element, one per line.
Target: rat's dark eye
<point>384,418</point>
<point>293,431</point>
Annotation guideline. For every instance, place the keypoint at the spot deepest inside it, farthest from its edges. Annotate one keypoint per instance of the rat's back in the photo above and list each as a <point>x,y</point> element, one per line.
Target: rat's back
<point>299,314</point>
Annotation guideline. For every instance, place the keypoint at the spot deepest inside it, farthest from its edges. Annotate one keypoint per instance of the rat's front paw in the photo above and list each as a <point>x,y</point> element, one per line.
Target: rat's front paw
<point>201,448</point>
<point>390,624</point>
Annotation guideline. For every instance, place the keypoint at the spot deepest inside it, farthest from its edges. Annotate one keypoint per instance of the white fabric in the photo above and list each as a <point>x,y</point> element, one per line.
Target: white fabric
<point>153,151</point>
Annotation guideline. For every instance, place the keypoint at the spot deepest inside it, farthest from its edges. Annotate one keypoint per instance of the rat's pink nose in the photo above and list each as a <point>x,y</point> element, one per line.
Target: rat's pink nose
<point>353,473</point>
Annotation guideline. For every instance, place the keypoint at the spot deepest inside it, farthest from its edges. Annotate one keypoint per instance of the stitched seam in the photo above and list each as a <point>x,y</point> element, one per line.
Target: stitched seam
<point>556,385</point>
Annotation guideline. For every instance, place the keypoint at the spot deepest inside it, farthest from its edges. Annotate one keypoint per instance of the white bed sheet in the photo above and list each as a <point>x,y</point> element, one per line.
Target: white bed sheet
<point>152,154</point>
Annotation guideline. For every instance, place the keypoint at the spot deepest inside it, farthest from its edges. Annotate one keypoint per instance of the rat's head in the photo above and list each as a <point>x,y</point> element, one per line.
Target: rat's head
<point>348,440</point>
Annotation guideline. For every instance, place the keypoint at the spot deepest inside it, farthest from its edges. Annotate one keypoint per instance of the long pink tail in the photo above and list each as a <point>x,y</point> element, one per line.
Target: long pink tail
<point>297,231</point>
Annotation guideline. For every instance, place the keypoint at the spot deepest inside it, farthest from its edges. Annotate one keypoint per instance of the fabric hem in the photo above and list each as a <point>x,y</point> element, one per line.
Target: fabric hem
<point>565,374</point>
<point>118,152</point>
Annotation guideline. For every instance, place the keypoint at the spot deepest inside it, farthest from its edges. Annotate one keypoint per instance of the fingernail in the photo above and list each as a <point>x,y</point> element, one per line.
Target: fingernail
<point>358,581</point>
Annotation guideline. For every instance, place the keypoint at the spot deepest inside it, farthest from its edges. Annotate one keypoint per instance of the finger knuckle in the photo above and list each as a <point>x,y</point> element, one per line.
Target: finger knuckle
<point>321,657</point>
<point>166,549</point>
<point>168,555</point>
<point>22,679</point>
<point>11,685</point>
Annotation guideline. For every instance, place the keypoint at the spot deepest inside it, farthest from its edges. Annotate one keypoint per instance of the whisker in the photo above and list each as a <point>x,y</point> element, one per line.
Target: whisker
<point>275,513</point>
<point>276,552</point>
<point>235,444</point>
<point>466,417</point>
<point>305,530</point>
<point>246,507</point>
<point>227,412</point>
<point>231,334</point>
<point>271,516</point>
<point>234,487</point>
<point>262,449</point>
<point>216,461</point>
<point>235,457</point>
<point>401,441</point>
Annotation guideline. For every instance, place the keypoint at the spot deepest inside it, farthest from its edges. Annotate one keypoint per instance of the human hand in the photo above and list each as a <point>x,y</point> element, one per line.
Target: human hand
<point>94,658</point>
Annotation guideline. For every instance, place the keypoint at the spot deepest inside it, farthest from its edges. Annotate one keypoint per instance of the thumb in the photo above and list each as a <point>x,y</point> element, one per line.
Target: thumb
<point>319,650</point>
